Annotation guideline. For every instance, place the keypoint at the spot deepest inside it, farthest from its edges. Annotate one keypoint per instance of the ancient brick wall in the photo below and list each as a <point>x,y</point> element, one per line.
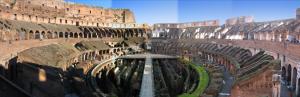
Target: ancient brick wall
<point>60,12</point>
<point>259,85</point>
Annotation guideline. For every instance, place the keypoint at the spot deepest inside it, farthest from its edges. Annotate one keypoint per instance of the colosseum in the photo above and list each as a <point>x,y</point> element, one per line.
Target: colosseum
<point>54,48</point>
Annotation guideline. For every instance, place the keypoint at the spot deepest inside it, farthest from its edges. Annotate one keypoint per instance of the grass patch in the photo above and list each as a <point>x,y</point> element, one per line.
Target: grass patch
<point>203,81</point>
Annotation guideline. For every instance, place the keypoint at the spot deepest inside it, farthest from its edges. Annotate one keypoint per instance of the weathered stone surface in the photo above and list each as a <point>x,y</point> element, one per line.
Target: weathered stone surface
<point>54,55</point>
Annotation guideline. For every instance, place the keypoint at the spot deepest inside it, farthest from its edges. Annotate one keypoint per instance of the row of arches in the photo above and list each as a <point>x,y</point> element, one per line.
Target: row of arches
<point>100,54</point>
<point>290,76</point>
<point>57,20</point>
<point>216,33</point>
<point>84,33</point>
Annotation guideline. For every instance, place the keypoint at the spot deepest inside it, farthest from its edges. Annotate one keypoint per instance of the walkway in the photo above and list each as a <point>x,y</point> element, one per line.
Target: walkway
<point>228,82</point>
<point>147,89</point>
<point>285,91</point>
<point>143,56</point>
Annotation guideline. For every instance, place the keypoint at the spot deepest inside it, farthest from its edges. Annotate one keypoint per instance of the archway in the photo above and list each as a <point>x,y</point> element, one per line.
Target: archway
<point>71,35</point>
<point>55,35</point>
<point>61,35</point>
<point>43,35</point>
<point>283,73</point>
<point>66,35</point>
<point>49,35</point>
<point>37,35</point>
<point>294,78</point>
<point>31,35</point>
<point>80,35</point>
<point>94,35</point>
<point>131,33</point>
<point>85,35</point>
<point>75,35</point>
<point>289,72</point>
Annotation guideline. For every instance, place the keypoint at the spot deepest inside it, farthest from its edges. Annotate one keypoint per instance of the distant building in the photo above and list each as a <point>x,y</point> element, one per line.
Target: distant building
<point>159,28</point>
<point>239,20</point>
<point>298,14</point>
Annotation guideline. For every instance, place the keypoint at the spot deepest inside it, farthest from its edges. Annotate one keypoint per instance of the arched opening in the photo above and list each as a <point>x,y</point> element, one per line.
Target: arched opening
<point>15,17</point>
<point>94,35</point>
<point>43,35</point>
<point>289,76</point>
<point>119,34</point>
<point>294,78</point>
<point>49,35</point>
<point>36,18</point>
<point>66,35</point>
<point>55,35</point>
<point>142,34</point>
<point>283,73</point>
<point>131,34</point>
<point>137,34</point>
<point>31,35</point>
<point>75,35</point>
<point>61,35</point>
<point>37,35</point>
<point>71,35</point>
<point>80,35</point>
<point>85,35</point>
<point>126,33</point>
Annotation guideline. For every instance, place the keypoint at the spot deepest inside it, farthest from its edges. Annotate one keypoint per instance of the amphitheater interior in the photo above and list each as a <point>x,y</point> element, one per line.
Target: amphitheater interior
<point>54,48</point>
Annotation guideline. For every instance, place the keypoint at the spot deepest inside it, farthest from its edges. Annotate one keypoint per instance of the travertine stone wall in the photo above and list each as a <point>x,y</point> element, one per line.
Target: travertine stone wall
<point>61,12</point>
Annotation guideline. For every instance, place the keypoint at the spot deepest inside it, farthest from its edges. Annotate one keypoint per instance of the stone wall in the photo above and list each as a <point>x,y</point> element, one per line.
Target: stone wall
<point>60,12</point>
<point>239,20</point>
<point>260,85</point>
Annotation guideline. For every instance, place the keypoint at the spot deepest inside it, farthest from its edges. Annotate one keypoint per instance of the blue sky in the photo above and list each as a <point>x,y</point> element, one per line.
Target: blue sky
<point>160,11</point>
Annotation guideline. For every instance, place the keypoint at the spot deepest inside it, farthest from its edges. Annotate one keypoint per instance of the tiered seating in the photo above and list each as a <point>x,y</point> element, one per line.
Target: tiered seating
<point>216,78</point>
<point>237,31</point>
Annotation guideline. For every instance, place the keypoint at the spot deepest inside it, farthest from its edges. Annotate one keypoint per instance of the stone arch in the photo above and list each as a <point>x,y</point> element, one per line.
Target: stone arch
<point>15,17</point>
<point>80,35</point>
<point>126,33</point>
<point>289,74</point>
<point>76,35</point>
<point>120,33</point>
<point>102,33</point>
<point>67,34</point>
<point>31,35</point>
<point>98,32</point>
<point>61,35</point>
<point>131,33</point>
<point>49,35</point>
<point>71,35</point>
<point>283,73</point>
<point>36,19</point>
<point>294,78</point>
<point>37,35</point>
<point>85,35</point>
<point>55,35</point>
<point>94,35</point>
<point>43,35</point>
<point>136,34</point>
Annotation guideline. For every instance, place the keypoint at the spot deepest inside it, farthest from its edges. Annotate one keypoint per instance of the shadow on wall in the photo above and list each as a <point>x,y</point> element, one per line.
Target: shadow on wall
<point>46,81</point>
<point>8,87</point>
<point>40,81</point>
